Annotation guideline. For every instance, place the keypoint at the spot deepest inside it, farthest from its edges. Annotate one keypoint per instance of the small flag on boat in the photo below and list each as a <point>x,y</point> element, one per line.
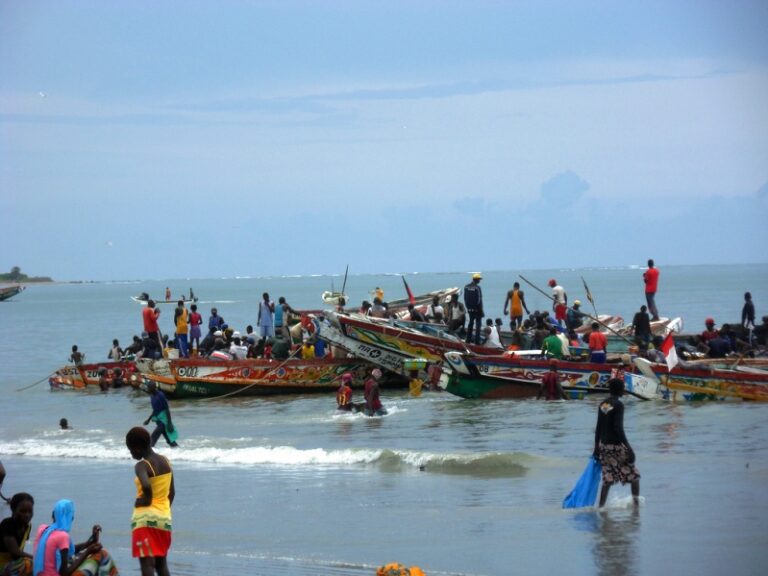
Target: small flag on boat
<point>411,299</point>
<point>670,353</point>
<point>586,289</point>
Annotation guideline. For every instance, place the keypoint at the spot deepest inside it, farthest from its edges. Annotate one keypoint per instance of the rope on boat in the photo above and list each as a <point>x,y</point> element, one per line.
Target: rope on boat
<point>35,383</point>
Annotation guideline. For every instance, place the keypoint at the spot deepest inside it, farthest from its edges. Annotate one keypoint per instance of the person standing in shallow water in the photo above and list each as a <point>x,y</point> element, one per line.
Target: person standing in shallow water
<point>161,414</point>
<point>151,521</point>
<point>612,449</point>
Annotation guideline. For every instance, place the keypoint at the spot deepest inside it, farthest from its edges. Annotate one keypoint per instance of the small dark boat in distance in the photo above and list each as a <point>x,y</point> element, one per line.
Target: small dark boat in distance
<point>10,291</point>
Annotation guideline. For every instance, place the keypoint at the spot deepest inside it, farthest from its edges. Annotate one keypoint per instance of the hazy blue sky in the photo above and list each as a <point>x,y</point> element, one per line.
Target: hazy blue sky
<point>149,139</point>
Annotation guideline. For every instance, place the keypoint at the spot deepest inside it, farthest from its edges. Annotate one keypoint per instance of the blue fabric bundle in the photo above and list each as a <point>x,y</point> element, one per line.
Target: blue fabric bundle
<point>585,491</point>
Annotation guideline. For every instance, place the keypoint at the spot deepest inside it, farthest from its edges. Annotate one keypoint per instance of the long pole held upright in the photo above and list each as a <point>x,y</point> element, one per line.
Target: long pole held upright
<point>589,295</point>
<point>593,318</point>
<point>343,286</point>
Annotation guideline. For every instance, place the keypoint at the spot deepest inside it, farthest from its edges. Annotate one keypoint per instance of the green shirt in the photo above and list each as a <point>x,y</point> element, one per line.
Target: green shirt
<point>552,346</point>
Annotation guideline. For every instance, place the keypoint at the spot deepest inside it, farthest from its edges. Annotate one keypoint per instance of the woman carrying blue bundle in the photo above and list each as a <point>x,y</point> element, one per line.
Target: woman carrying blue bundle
<point>612,448</point>
<point>56,554</point>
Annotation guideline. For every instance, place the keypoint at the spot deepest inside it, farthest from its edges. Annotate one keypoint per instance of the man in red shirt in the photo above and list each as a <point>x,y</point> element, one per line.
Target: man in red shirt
<point>597,345</point>
<point>550,384</point>
<point>150,315</point>
<point>651,279</point>
<point>344,393</point>
<point>373,406</point>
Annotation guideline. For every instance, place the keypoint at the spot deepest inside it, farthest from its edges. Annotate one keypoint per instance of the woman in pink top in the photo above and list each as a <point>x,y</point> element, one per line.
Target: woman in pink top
<point>56,554</point>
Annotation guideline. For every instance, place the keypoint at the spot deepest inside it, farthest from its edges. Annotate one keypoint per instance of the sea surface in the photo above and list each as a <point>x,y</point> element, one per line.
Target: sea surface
<point>285,485</point>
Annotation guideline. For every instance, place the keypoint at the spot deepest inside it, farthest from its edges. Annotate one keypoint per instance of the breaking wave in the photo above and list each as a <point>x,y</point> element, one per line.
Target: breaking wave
<point>237,453</point>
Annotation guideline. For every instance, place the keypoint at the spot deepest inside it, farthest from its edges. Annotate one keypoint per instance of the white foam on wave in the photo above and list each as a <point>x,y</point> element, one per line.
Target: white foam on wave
<point>199,451</point>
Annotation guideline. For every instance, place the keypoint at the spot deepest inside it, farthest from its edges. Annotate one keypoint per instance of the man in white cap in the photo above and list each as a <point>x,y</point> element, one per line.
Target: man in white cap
<point>473,301</point>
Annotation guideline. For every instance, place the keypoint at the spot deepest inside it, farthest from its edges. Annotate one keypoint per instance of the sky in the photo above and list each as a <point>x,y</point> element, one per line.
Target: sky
<point>191,139</point>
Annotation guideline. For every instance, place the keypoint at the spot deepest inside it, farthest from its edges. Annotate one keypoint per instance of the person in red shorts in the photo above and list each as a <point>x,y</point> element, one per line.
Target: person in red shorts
<point>151,521</point>
<point>559,302</point>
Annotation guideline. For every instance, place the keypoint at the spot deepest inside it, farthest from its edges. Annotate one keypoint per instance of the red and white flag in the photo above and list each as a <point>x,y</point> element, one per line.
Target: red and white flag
<point>670,353</point>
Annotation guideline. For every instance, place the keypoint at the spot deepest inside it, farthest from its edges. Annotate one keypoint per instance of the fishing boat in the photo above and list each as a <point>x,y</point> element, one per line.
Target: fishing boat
<point>201,377</point>
<point>421,301</point>
<point>381,356</point>
<point>144,299</point>
<point>515,375</point>
<point>10,291</point>
<point>519,375</point>
<point>80,377</point>
<point>408,339</point>
<point>334,298</point>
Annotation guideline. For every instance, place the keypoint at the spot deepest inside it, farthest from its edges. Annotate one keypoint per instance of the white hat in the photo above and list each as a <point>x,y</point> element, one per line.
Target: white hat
<point>218,333</point>
<point>236,334</point>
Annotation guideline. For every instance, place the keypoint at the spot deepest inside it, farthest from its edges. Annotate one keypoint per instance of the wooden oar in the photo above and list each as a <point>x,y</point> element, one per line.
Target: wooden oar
<point>593,318</point>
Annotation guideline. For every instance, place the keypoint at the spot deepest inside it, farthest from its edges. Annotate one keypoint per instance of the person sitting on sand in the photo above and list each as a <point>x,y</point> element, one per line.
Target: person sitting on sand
<point>14,533</point>
<point>55,553</point>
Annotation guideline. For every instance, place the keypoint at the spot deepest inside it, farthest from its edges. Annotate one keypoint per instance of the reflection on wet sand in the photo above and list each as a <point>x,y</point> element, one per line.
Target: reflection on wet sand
<point>615,539</point>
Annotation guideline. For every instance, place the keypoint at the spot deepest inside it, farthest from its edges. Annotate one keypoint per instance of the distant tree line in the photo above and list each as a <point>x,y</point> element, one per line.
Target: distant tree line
<point>16,275</point>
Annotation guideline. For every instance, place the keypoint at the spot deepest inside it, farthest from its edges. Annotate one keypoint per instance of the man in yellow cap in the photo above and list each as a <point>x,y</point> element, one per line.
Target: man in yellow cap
<point>473,301</point>
<point>574,318</point>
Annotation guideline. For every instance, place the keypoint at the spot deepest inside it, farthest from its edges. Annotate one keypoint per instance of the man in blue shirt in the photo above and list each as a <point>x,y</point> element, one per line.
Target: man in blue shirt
<point>473,301</point>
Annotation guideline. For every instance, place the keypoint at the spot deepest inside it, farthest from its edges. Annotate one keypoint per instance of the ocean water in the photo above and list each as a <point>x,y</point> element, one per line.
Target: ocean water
<point>285,485</point>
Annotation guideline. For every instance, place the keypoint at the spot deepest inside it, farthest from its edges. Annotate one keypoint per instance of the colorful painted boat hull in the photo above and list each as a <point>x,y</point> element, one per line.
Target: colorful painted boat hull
<point>189,378</point>
<point>80,377</point>
<point>502,376</point>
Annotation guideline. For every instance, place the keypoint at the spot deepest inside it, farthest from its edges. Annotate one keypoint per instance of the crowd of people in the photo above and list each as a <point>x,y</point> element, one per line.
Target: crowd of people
<point>55,552</point>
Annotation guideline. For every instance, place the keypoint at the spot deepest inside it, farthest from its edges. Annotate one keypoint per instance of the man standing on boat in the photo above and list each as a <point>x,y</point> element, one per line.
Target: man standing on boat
<point>181,320</point>
<point>150,314</point>
<point>559,302</point>
<point>456,315</point>
<point>473,300</point>
<point>265,321</point>
<point>651,279</point>
<point>516,303</point>
<point>598,344</point>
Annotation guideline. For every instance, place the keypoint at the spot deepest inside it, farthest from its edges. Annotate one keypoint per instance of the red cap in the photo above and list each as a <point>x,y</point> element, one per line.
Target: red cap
<point>552,282</point>
<point>709,321</point>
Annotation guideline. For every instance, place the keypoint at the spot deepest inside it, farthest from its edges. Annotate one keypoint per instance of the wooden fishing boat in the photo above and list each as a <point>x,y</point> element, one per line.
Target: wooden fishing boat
<point>423,300</point>
<point>372,352</point>
<point>408,339</point>
<point>334,298</point>
<point>10,291</point>
<point>80,377</point>
<point>200,377</point>
<point>144,298</point>
<point>514,376</point>
<point>519,375</point>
